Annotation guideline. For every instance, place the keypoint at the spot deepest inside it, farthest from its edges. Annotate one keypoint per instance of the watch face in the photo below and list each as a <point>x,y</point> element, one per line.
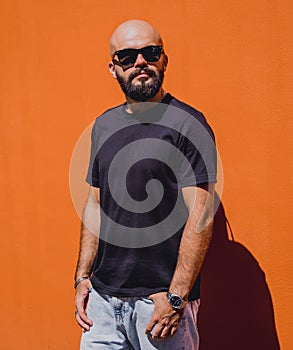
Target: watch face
<point>176,301</point>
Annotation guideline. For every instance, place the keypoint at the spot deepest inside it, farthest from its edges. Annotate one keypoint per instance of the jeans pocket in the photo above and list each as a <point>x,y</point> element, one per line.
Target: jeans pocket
<point>147,300</point>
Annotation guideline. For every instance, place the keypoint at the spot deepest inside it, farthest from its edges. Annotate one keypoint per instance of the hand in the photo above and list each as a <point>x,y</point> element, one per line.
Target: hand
<point>165,319</point>
<point>81,299</point>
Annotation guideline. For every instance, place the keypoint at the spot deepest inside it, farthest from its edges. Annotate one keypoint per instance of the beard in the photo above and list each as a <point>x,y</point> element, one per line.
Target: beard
<point>145,90</point>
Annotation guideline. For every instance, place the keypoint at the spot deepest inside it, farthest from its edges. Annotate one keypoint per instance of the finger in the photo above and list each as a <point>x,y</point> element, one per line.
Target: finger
<point>80,307</point>
<point>85,327</point>
<point>166,332</point>
<point>83,316</point>
<point>158,331</point>
<point>80,304</point>
<point>151,325</point>
<point>173,330</point>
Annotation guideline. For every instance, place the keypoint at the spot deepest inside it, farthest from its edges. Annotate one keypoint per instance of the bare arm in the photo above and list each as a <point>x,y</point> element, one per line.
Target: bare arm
<point>88,249</point>
<point>89,234</point>
<point>193,246</point>
<point>195,239</point>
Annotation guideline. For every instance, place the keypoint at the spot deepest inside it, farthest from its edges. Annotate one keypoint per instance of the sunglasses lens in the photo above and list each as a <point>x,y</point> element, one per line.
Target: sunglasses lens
<point>151,53</point>
<point>127,57</point>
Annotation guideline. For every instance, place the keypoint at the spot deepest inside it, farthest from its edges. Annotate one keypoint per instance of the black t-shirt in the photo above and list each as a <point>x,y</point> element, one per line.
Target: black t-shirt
<point>141,162</point>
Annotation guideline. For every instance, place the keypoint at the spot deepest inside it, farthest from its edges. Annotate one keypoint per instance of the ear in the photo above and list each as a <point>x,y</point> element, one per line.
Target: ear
<point>165,62</point>
<point>112,70</point>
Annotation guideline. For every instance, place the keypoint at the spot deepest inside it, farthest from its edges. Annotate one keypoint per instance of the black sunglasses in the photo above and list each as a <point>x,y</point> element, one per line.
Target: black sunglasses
<point>127,57</point>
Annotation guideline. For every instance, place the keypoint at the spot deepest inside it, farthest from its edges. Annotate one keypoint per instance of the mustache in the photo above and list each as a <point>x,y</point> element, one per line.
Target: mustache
<point>138,71</point>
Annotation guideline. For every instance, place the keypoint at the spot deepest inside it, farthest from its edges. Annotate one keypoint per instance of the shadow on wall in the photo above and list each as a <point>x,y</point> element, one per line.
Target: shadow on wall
<point>236,307</point>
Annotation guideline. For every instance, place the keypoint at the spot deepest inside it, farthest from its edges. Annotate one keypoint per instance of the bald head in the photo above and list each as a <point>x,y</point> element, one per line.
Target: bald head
<point>134,34</point>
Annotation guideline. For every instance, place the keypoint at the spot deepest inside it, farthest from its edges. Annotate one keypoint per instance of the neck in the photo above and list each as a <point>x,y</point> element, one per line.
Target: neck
<point>137,106</point>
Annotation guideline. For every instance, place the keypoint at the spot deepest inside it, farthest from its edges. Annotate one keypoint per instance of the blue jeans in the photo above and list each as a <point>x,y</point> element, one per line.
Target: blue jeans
<point>119,324</point>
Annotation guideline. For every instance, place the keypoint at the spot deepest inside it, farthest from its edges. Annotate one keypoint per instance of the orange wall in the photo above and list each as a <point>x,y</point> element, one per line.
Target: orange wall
<point>230,59</point>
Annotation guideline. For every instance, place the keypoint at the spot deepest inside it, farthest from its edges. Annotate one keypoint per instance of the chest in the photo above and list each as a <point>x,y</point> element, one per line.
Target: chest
<point>140,150</point>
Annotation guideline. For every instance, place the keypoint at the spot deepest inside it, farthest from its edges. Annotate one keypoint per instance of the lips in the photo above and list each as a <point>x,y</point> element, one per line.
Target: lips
<point>143,75</point>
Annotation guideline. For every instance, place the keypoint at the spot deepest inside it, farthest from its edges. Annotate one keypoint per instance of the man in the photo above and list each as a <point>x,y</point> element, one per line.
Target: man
<point>137,284</point>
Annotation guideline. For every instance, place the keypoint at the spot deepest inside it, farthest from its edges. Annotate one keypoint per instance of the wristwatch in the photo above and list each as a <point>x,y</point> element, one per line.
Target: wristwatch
<point>176,301</point>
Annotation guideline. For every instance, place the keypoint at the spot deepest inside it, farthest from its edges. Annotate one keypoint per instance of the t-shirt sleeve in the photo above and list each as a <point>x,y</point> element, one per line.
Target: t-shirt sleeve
<point>198,163</point>
<point>93,176</point>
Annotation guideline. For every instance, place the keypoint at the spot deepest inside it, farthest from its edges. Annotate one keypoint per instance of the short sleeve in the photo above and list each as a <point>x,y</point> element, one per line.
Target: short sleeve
<point>93,176</point>
<point>198,161</point>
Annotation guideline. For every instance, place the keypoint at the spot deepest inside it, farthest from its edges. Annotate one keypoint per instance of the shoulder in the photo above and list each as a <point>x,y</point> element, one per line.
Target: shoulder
<point>191,112</point>
<point>108,123</point>
<point>187,108</point>
<point>110,112</point>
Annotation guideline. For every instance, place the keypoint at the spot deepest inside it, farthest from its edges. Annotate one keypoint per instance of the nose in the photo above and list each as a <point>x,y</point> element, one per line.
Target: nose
<point>140,61</point>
